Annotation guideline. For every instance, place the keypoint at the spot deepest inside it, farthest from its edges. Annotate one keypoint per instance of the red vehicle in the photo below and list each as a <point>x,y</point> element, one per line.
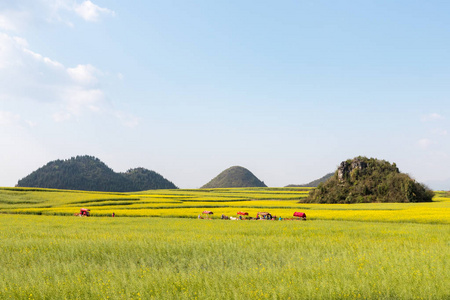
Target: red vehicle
<point>84,212</point>
<point>300,215</point>
<point>242,215</point>
<point>206,214</point>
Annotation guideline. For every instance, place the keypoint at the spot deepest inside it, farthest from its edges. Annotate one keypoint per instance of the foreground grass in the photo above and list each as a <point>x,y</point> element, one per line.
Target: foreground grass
<point>51,257</point>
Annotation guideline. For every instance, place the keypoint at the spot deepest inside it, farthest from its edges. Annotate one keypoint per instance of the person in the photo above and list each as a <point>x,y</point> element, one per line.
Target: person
<point>113,215</point>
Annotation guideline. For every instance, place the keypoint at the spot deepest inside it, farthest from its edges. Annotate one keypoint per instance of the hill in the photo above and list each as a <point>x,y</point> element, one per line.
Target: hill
<point>144,179</point>
<point>313,183</point>
<point>361,180</point>
<point>90,174</point>
<point>234,177</point>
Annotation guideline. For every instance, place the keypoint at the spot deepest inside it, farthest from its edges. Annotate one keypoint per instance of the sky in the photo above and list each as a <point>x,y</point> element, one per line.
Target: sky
<point>286,89</point>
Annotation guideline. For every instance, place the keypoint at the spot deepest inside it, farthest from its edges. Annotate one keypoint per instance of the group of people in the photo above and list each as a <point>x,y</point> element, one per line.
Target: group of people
<point>258,217</point>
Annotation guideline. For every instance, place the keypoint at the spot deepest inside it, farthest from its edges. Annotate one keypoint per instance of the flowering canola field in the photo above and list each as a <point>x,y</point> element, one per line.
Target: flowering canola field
<point>282,202</point>
<point>360,251</point>
<point>58,257</point>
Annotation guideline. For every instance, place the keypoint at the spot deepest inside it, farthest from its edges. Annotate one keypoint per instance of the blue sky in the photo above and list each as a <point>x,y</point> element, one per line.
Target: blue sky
<point>287,89</point>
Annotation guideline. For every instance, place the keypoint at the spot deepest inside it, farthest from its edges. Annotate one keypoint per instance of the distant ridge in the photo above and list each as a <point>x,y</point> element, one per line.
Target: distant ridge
<point>314,183</point>
<point>234,177</point>
<point>88,173</point>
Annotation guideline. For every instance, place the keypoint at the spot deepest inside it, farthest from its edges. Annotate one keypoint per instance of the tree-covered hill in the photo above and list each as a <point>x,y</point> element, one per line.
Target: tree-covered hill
<point>90,174</point>
<point>234,177</point>
<point>362,180</point>
<point>144,179</point>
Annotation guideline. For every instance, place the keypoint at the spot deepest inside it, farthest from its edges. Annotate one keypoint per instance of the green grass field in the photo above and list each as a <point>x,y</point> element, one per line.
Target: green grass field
<point>355,254</point>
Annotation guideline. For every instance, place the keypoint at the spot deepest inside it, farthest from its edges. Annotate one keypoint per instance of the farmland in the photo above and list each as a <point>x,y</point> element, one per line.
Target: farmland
<point>371,251</point>
<point>189,203</point>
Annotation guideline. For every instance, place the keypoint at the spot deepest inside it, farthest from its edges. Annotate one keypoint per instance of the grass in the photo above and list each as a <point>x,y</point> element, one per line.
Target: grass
<point>359,251</point>
<point>132,258</point>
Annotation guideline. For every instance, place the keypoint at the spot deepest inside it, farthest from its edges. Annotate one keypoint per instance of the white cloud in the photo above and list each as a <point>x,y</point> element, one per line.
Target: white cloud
<point>45,60</point>
<point>78,100</point>
<point>432,117</point>
<point>6,23</point>
<point>91,12</point>
<point>26,75</point>
<point>9,48</point>
<point>13,20</point>
<point>19,15</point>
<point>72,92</point>
<point>84,74</point>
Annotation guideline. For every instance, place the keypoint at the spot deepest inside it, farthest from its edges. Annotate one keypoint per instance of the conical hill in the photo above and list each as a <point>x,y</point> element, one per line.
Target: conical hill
<point>234,177</point>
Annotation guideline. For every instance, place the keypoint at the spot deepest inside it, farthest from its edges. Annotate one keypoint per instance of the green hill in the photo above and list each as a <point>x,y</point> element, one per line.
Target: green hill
<point>144,179</point>
<point>90,174</point>
<point>361,180</point>
<point>313,183</point>
<point>234,177</point>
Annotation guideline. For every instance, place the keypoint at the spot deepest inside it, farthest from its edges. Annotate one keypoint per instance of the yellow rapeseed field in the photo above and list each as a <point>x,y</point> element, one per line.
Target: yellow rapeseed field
<point>393,251</point>
<point>281,202</point>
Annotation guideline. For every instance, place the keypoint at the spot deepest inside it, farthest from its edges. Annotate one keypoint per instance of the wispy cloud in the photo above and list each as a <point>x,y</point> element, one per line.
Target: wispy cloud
<point>91,12</point>
<point>72,91</point>
<point>14,20</point>
<point>84,74</point>
<point>26,75</point>
<point>22,14</point>
<point>431,117</point>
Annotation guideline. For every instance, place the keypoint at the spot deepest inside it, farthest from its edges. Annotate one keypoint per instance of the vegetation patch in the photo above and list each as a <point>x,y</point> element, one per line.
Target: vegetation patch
<point>88,173</point>
<point>234,177</point>
<point>364,180</point>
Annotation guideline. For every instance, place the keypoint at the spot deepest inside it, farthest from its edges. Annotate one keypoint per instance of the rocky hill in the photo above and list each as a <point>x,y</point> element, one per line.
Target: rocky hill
<point>90,174</point>
<point>234,177</point>
<point>361,180</point>
<point>313,183</point>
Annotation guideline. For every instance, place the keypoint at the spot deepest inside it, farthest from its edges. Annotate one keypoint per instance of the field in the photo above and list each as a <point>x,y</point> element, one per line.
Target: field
<point>282,202</point>
<point>364,251</point>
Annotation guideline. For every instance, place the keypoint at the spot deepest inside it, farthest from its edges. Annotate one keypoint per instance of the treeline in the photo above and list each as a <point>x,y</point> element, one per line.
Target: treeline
<point>364,180</point>
<point>90,174</point>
